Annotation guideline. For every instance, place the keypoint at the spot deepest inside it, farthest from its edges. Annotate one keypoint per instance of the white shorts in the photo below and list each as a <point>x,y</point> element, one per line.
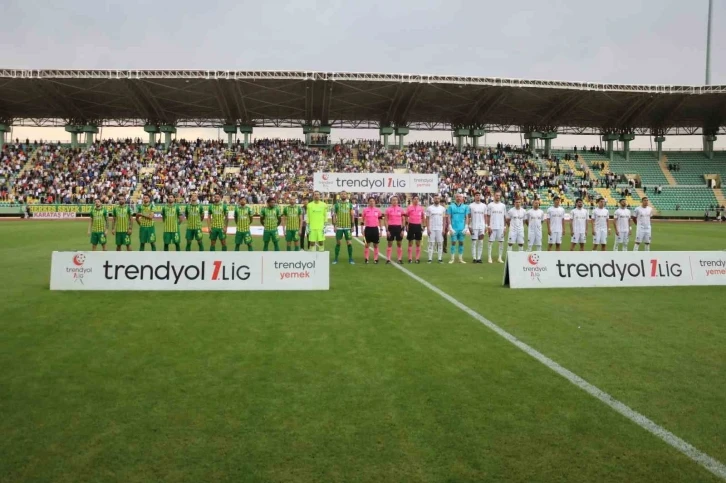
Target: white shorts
<point>623,237</point>
<point>579,237</point>
<point>497,235</point>
<point>642,236</point>
<point>600,238</point>
<point>516,236</point>
<point>476,233</point>
<point>555,238</point>
<point>534,238</point>
<point>436,236</point>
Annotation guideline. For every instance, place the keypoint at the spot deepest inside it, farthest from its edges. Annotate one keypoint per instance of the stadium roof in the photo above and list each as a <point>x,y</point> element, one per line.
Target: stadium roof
<point>211,98</point>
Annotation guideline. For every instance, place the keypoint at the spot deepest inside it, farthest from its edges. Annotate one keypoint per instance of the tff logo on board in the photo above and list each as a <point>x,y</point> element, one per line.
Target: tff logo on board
<point>77,271</point>
<point>534,270</point>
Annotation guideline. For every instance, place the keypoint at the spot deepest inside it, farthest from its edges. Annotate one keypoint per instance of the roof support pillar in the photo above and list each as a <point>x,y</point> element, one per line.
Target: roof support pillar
<point>246,130</point>
<point>231,130</point>
<point>475,135</point>
<point>90,130</point>
<point>532,137</point>
<point>460,134</point>
<point>659,144</point>
<point>152,129</point>
<point>385,132</point>
<point>4,128</point>
<point>548,137</point>
<point>708,140</point>
<point>75,130</point>
<point>626,138</point>
<point>168,130</point>
<point>610,138</point>
<point>401,132</point>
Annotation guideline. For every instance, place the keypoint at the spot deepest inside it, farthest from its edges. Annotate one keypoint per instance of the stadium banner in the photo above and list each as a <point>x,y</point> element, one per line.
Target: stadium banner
<point>60,215</point>
<point>150,271</point>
<point>376,182</point>
<point>614,269</point>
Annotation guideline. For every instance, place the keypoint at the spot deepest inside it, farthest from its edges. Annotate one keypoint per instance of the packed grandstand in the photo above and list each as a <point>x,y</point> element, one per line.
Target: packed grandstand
<point>42,173</point>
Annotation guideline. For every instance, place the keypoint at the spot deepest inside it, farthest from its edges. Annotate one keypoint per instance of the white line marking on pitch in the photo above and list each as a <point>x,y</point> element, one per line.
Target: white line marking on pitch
<point>711,464</point>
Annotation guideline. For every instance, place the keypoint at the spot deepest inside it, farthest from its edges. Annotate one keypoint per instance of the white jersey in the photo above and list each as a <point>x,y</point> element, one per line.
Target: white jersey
<point>516,219</point>
<point>600,217</point>
<point>435,215</point>
<point>478,213</point>
<point>579,220</point>
<point>497,213</point>
<point>643,217</point>
<point>622,219</point>
<point>535,217</point>
<point>556,217</point>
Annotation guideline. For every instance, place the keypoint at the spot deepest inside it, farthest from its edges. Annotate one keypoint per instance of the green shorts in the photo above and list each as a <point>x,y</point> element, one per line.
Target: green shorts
<point>243,237</point>
<point>316,235</point>
<point>123,238</point>
<point>194,234</point>
<point>171,237</point>
<point>147,234</point>
<point>292,236</point>
<point>217,234</point>
<point>98,238</point>
<point>270,236</point>
<point>343,232</point>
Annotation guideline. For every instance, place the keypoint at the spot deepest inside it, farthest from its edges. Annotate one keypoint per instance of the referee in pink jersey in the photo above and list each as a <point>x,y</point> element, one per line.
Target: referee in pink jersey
<point>394,230</point>
<point>414,228</point>
<point>372,219</point>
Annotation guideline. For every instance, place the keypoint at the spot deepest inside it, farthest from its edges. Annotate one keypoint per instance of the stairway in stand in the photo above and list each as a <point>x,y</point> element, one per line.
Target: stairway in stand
<point>663,163</point>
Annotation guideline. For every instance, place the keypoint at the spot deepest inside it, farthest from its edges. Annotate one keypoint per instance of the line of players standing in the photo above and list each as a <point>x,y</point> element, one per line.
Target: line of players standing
<point>478,219</point>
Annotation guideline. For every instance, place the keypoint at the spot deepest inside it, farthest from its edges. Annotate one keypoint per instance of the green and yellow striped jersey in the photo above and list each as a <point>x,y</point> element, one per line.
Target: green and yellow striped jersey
<point>193,214</point>
<point>292,217</point>
<point>270,217</point>
<point>218,215</point>
<point>243,217</point>
<point>342,213</point>
<point>170,215</point>
<point>99,217</point>
<point>122,215</point>
<point>147,210</point>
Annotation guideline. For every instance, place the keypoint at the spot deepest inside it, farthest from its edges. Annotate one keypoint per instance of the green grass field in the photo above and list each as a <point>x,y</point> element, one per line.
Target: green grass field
<point>377,380</point>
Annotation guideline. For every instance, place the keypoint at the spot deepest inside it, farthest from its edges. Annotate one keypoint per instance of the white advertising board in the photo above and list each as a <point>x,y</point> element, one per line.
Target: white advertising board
<point>376,182</point>
<point>614,269</point>
<point>190,271</point>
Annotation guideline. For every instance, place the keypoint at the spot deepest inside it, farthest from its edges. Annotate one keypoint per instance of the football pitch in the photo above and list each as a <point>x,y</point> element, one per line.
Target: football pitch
<point>379,379</point>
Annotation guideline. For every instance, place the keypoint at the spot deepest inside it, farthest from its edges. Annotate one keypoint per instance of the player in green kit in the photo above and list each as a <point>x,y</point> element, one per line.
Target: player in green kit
<point>172,219</point>
<point>342,222</point>
<point>243,218</point>
<point>145,219</point>
<point>317,212</point>
<point>194,213</point>
<point>270,217</point>
<point>98,225</point>
<point>217,223</point>
<point>292,223</point>
<point>121,227</point>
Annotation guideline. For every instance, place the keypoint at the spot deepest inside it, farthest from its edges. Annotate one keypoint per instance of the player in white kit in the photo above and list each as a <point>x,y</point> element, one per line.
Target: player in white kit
<point>478,227</point>
<point>515,222</point>
<point>435,228</point>
<point>600,225</point>
<point>641,216</point>
<point>621,223</point>
<point>578,225</point>
<point>534,227</point>
<point>496,223</point>
<point>555,224</point>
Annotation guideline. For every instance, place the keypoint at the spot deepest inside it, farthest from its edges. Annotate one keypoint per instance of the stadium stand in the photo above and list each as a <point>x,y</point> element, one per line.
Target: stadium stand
<point>56,173</point>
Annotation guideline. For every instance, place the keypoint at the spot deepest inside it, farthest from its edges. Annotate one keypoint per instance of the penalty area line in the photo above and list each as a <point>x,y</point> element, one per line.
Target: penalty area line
<point>693,453</point>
